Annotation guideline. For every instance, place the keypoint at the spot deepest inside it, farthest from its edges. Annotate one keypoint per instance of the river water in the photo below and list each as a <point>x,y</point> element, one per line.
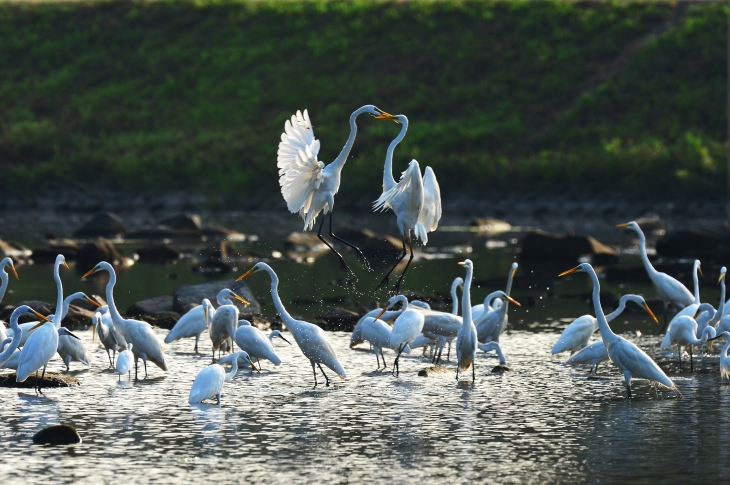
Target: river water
<point>540,422</point>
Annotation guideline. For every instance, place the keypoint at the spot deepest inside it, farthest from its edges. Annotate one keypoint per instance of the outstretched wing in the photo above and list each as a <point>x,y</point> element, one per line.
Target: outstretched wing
<point>407,195</point>
<point>300,173</point>
<point>431,212</point>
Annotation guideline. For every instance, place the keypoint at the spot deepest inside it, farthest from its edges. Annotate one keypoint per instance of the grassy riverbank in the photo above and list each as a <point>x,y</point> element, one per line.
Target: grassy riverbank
<point>502,96</point>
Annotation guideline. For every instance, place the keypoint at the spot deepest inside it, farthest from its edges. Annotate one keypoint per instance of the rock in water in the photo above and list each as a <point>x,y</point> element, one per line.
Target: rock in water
<point>106,224</point>
<point>195,294</point>
<point>60,434</point>
<point>542,245</point>
<point>51,379</point>
<point>435,370</point>
<point>500,368</point>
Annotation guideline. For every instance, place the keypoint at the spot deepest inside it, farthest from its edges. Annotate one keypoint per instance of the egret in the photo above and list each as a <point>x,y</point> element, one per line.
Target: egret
<point>493,346</point>
<point>308,186</point>
<point>407,326</point>
<point>718,315</point>
<point>491,324</point>
<point>422,342</point>
<point>69,348</point>
<point>593,354</point>
<point>145,343</point>
<point>110,337</point>
<point>253,341</point>
<point>447,336</point>
<point>691,309</point>
<point>683,332</point>
<point>124,362</point>
<point>466,339</point>
<point>477,311</point>
<point>356,337</point>
<point>670,290</point>
<point>378,333</point>
<point>39,349</point>
<point>223,325</point>
<point>624,354</point>
<point>193,323</point>
<point>311,339</point>
<point>209,381</point>
<point>4,275</point>
<point>724,357</point>
<point>415,200</point>
<point>7,352</point>
<point>579,331</point>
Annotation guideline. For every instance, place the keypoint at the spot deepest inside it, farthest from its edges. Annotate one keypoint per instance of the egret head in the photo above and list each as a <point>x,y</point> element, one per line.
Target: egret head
<point>467,263</point>
<point>61,260</point>
<point>723,270</point>
<point>256,268</point>
<point>9,262</point>
<point>510,299</point>
<point>63,331</point>
<point>514,269</point>
<point>26,310</point>
<point>382,115</point>
<point>91,300</point>
<point>698,266</point>
<point>244,323</point>
<point>238,298</point>
<point>103,265</point>
<point>241,354</point>
<point>629,225</point>
<point>639,300</point>
<point>581,268</point>
<point>391,302</point>
<point>276,333</point>
<point>725,334</point>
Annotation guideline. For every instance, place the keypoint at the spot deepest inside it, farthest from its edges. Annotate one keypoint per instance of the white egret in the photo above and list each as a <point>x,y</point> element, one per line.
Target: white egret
<point>4,275</point>
<point>407,326</point>
<point>145,343</point>
<point>477,311</point>
<point>311,339</point>
<point>592,354</point>
<point>625,355</point>
<point>224,322</point>
<point>69,348</point>
<point>356,337</point>
<point>111,338</point>
<point>491,324</point>
<point>14,342</point>
<point>670,290</point>
<point>209,381</point>
<point>124,362</point>
<point>466,339</point>
<point>683,332</point>
<point>308,186</point>
<point>447,336</point>
<point>493,346</point>
<point>724,357</point>
<point>378,333</point>
<point>193,323</point>
<point>691,309</point>
<point>253,341</point>
<point>422,342</point>
<point>415,200</point>
<point>579,331</point>
<point>720,313</point>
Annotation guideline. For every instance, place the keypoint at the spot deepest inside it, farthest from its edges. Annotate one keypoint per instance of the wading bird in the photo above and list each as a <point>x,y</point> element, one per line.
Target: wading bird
<point>209,381</point>
<point>625,355</point>
<point>491,324</point>
<point>477,311</point>
<point>579,331</point>
<point>690,310</point>
<point>407,326</point>
<point>669,289</point>
<point>415,200</point>
<point>124,362</point>
<point>145,344</point>
<point>255,343</point>
<point>378,333</point>
<point>4,275</point>
<point>111,338</point>
<point>466,339</point>
<point>223,325</point>
<point>308,186</point>
<point>69,348</point>
<point>683,332</point>
<point>39,349</point>
<point>592,354</point>
<point>193,323</point>
<point>12,343</point>
<point>311,339</point>
<point>724,357</point>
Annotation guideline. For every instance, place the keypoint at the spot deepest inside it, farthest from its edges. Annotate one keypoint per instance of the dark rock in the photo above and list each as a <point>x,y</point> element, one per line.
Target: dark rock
<point>338,319</point>
<point>47,254</point>
<point>42,307</point>
<point>195,294</point>
<point>500,368</point>
<point>543,245</point>
<point>157,311</point>
<point>257,320</point>
<point>14,250</point>
<point>77,316</point>
<point>370,243</point>
<point>60,434</point>
<point>88,306</point>
<point>158,253</point>
<point>435,370</point>
<point>106,224</point>
<point>51,379</point>
<point>188,222</point>
<point>161,233</point>
<point>694,244</point>
<point>100,250</point>
<point>491,226</point>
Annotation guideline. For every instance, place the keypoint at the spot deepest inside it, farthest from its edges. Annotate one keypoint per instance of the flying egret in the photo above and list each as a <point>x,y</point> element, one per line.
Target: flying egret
<point>4,275</point>
<point>579,331</point>
<point>407,326</point>
<point>69,348</point>
<point>378,333</point>
<point>683,332</point>
<point>308,186</point>
<point>691,309</point>
<point>466,339</point>
<point>253,341</point>
<point>311,339</point>
<point>193,323</point>
<point>124,362</point>
<point>477,311</point>
<point>593,354</point>
<point>224,322</point>
<point>669,289</point>
<point>145,343</point>
<point>627,356</point>
<point>109,336</point>
<point>724,357</point>
<point>7,352</point>
<point>415,200</point>
<point>209,381</point>
<point>491,324</point>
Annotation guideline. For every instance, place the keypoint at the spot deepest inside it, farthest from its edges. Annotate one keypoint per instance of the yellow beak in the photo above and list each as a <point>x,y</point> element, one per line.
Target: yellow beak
<point>722,275</point>
<point>381,313</point>
<point>511,300</point>
<point>570,271</point>
<point>246,274</point>
<point>242,300</point>
<point>651,313</point>
<point>90,272</point>
<point>15,273</point>
<point>625,224</point>
<point>93,302</point>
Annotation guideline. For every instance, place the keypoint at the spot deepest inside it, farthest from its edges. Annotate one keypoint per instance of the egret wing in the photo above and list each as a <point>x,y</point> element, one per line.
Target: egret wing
<point>431,212</point>
<point>408,191</point>
<point>300,173</point>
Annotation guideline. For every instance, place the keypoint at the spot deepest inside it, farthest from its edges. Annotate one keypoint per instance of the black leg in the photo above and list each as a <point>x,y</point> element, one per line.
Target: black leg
<point>36,380</point>
<point>109,357</point>
<point>679,352</point>
<point>136,362</point>
<point>343,265</point>
<point>396,288</point>
<point>314,371</point>
<point>326,379</point>
<point>384,283</point>
<point>197,337</point>
<point>473,372</point>
<point>385,366</point>
<point>114,357</point>
<point>360,255</point>
<point>691,363</point>
<point>43,376</point>
<point>595,369</point>
<point>628,391</point>
<point>145,368</point>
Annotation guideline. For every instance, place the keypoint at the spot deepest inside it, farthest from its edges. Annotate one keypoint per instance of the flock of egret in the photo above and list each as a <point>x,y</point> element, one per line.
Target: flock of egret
<point>308,186</point>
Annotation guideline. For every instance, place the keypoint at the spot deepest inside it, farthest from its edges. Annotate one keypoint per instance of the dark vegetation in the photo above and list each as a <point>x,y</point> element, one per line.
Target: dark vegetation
<point>503,97</point>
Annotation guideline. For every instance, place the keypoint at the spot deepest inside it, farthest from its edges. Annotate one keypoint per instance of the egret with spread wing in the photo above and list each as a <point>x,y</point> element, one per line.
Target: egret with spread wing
<point>415,199</point>
<point>308,186</point>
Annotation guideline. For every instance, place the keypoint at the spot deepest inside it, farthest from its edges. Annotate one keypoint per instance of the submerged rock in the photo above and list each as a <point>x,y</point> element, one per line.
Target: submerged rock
<point>60,434</point>
<point>500,368</point>
<point>543,245</point>
<point>189,222</point>
<point>161,233</point>
<point>42,307</point>
<point>694,244</point>
<point>195,294</point>
<point>47,254</point>
<point>158,253</point>
<point>106,224</point>
<point>435,370</point>
<point>51,379</point>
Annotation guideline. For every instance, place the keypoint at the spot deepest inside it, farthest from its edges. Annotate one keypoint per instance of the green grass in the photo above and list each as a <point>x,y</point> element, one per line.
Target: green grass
<point>179,95</point>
